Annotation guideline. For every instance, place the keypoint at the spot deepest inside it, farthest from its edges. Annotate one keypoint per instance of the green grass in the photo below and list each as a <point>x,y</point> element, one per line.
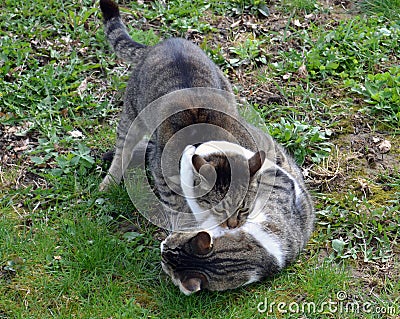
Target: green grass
<point>306,6</point>
<point>389,9</point>
<point>68,251</point>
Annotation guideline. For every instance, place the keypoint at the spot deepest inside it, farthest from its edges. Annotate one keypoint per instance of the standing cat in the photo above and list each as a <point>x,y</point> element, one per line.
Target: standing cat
<point>173,66</point>
<point>232,181</point>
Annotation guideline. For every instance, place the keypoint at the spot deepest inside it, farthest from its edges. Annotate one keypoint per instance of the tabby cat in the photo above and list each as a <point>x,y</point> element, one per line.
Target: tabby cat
<point>244,195</point>
<point>171,66</point>
<point>279,223</point>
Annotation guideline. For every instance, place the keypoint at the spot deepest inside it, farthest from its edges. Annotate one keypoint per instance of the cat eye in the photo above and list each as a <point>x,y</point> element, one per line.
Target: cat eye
<point>205,201</point>
<point>243,210</point>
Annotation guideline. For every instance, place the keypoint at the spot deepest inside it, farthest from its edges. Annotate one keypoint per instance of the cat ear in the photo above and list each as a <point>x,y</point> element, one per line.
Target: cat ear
<point>191,285</point>
<point>206,170</point>
<point>201,244</point>
<point>256,161</point>
<point>193,282</point>
<point>198,162</point>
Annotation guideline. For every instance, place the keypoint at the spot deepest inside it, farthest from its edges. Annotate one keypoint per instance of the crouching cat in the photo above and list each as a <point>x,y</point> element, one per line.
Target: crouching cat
<point>278,224</point>
<point>247,212</point>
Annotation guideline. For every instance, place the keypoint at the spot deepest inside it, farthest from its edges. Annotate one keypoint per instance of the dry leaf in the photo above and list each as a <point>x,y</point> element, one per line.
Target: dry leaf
<point>64,112</point>
<point>76,134</point>
<point>302,71</point>
<point>23,145</point>
<point>82,87</point>
<point>235,24</point>
<point>376,140</point>
<point>297,23</point>
<point>384,146</point>
<point>310,16</point>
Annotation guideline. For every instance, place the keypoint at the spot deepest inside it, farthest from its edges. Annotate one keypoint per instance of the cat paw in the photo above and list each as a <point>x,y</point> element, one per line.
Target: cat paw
<point>106,183</point>
<point>103,186</point>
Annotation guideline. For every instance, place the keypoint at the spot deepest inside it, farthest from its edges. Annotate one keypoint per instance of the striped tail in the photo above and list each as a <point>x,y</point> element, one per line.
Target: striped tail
<point>117,35</point>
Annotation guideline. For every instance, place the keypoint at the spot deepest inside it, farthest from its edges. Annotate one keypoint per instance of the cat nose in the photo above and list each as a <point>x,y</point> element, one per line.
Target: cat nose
<point>232,222</point>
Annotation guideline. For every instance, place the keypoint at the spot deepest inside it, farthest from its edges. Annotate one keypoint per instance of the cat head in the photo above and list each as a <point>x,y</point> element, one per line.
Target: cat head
<point>216,178</point>
<point>198,261</point>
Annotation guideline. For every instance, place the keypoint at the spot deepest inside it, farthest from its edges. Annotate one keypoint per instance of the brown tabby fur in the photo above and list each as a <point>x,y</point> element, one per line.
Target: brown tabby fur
<point>266,223</point>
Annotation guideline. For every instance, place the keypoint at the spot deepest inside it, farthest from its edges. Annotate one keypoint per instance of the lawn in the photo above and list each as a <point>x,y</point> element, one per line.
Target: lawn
<point>323,75</point>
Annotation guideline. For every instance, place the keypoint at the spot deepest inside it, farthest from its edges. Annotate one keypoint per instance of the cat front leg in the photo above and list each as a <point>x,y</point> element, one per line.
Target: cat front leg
<point>130,152</point>
<point>114,174</point>
<point>128,140</point>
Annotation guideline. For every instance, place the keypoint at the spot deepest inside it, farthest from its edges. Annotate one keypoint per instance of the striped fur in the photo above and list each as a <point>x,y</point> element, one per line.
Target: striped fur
<point>171,65</point>
<point>278,215</point>
<point>116,33</point>
<point>276,230</point>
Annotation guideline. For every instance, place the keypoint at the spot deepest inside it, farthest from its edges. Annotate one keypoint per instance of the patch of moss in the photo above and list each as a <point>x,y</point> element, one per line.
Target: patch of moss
<point>379,196</point>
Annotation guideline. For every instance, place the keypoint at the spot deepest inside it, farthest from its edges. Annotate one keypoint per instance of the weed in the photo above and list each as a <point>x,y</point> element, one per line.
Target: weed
<point>248,53</point>
<point>180,16</point>
<point>382,95</point>
<point>352,48</point>
<point>215,54</point>
<point>371,231</point>
<point>304,141</point>
<point>306,6</point>
<point>388,9</point>
<point>253,7</point>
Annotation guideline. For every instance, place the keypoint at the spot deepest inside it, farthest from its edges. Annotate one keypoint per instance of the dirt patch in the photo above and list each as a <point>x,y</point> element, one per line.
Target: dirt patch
<point>15,141</point>
<point>360,156</point>
<point>375,275</point>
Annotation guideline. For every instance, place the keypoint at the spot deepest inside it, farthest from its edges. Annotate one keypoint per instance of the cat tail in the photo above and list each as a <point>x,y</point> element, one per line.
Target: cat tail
<point>117,35</point>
